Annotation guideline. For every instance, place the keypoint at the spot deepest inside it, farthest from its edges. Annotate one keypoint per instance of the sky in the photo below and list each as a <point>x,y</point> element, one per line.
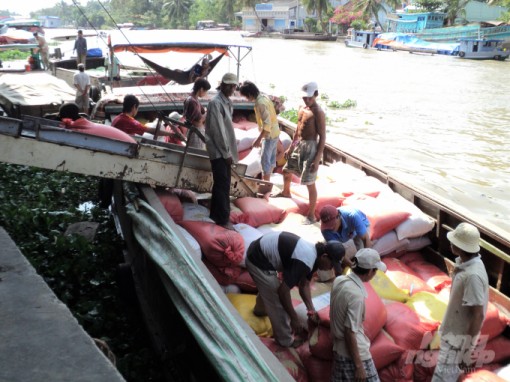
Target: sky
<point>24,7</point>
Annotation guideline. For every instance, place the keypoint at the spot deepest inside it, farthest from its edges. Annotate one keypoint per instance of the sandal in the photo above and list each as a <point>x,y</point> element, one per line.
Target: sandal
<point>280,195</point>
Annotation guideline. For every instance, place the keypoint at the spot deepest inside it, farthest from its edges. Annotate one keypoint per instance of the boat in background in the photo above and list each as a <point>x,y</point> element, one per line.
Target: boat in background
<point>412,44</point>
<point>482,49</point>
<point>360,38</point>
<point>295,34</point>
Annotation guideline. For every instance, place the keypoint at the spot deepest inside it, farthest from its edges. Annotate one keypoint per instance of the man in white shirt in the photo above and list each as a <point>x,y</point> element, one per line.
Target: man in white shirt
<point>466,309</point>
<point>351,347</point>
<point>82,84</point>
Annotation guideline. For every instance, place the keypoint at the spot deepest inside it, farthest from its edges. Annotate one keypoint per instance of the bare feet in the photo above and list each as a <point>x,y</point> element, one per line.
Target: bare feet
<point>309,221</point>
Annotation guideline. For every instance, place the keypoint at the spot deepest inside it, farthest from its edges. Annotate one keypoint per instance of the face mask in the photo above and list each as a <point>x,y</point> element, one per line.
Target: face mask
<point>325,275</point>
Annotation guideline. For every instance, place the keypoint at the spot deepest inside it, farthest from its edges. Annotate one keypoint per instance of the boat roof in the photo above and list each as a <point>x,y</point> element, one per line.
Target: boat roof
<point>160,41</point>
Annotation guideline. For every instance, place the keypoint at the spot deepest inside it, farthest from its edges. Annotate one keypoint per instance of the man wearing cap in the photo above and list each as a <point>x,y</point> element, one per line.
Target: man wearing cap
<point>221,146</point>
<point>127,123</point>
<point>351,347</point>
<point>345,223</point>
<point>467,306</point>
<point>297,260</point>
<point>305,152</point>
<point>81,82</point>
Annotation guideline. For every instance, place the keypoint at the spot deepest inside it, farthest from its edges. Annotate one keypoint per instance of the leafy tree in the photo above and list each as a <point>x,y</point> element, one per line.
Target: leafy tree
<point>454,9</point>
<point>178,12</point>
<point>320,7</point>
<point>227,9</point>
<point>429,5</point>
<point>203,10</point>
<point>371,8</point>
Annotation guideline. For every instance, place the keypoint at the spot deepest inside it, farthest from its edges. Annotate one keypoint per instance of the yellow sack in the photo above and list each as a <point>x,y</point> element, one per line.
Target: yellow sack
<point>428,305</point>
<point>386,289</point>
<point>244,304</point>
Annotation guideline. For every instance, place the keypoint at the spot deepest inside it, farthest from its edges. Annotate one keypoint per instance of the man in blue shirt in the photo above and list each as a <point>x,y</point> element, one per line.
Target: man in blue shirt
<point>345,223</point>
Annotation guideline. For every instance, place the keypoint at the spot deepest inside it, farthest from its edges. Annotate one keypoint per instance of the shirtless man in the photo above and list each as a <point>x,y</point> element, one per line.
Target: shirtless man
<point>305,153</point>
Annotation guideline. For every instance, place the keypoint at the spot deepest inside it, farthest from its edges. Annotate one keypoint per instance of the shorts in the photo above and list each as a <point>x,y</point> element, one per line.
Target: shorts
<point>344,369</point>
<point>301,159</point>
<point>268,155</point>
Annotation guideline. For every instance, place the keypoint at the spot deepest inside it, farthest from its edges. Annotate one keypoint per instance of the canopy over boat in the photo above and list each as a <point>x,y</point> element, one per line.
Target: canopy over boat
<point>227,43</point>
<point>161,41</point>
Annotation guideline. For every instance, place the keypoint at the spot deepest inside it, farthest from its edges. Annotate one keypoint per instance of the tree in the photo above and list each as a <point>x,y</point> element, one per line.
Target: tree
<point>227,10</point>
<point>429,5</point>
<point>371,8</point>
<point>344,15</point>
<point>178,12</point>
<point>320,7</point>
<point>454,9</point>
<point>203,10</point>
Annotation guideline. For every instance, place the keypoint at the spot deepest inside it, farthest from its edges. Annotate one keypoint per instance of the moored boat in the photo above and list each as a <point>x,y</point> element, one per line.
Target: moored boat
<point>290,34</point>
<point>360,39</point>
<point>482,49</point>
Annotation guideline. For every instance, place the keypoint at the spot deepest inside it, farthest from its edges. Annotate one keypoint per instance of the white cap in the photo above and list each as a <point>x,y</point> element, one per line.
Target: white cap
<point>309,89</point>
<point>368,258</point>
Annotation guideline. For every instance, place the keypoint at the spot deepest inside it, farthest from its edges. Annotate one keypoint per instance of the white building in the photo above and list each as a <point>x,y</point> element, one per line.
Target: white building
<point>278,15</point>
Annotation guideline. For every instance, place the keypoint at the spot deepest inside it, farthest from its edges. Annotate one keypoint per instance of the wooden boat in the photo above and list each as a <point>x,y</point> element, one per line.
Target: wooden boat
<point>188,314</point>
<point>290,34</point>
<point>360,39</point>
<point>482,49</point>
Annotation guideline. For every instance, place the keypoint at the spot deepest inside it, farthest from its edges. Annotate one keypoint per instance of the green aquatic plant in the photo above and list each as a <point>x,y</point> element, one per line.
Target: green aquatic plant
<point>14,54</point>
<point>349,103</point>
<point>291,115</point>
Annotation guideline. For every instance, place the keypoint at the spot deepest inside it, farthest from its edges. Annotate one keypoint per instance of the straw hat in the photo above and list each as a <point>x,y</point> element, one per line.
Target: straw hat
<point>465,237</point>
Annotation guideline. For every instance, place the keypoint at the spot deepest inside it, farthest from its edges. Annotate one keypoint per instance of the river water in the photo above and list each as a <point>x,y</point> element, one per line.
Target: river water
<point>441,123</point>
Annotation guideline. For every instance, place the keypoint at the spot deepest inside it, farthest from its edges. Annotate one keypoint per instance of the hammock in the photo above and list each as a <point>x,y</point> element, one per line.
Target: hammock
<point>182,77</point>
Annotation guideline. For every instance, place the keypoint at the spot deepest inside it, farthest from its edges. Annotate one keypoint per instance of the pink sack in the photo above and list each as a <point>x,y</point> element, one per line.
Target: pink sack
<point>258,211</point>
<point>407,328</point>
<point>221,246</point>
<point>384,350</point>
<point>171,203</point>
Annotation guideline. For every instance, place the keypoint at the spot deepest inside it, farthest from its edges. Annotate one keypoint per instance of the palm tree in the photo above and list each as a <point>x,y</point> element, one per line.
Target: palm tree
<point>371,8</point>
<point>318,6</point>
<point>178,11</point>
<point>227,8</point>
<point>454,9</point>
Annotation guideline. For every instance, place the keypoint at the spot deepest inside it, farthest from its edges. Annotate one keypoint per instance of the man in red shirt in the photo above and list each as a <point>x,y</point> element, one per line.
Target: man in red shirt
<point>127,123</point>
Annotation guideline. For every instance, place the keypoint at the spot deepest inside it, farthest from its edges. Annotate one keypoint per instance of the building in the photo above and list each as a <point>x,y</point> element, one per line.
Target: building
<point>50,21</point>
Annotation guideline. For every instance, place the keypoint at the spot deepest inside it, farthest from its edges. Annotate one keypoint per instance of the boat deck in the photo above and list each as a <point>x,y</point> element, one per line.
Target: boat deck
<point>41,340</point>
